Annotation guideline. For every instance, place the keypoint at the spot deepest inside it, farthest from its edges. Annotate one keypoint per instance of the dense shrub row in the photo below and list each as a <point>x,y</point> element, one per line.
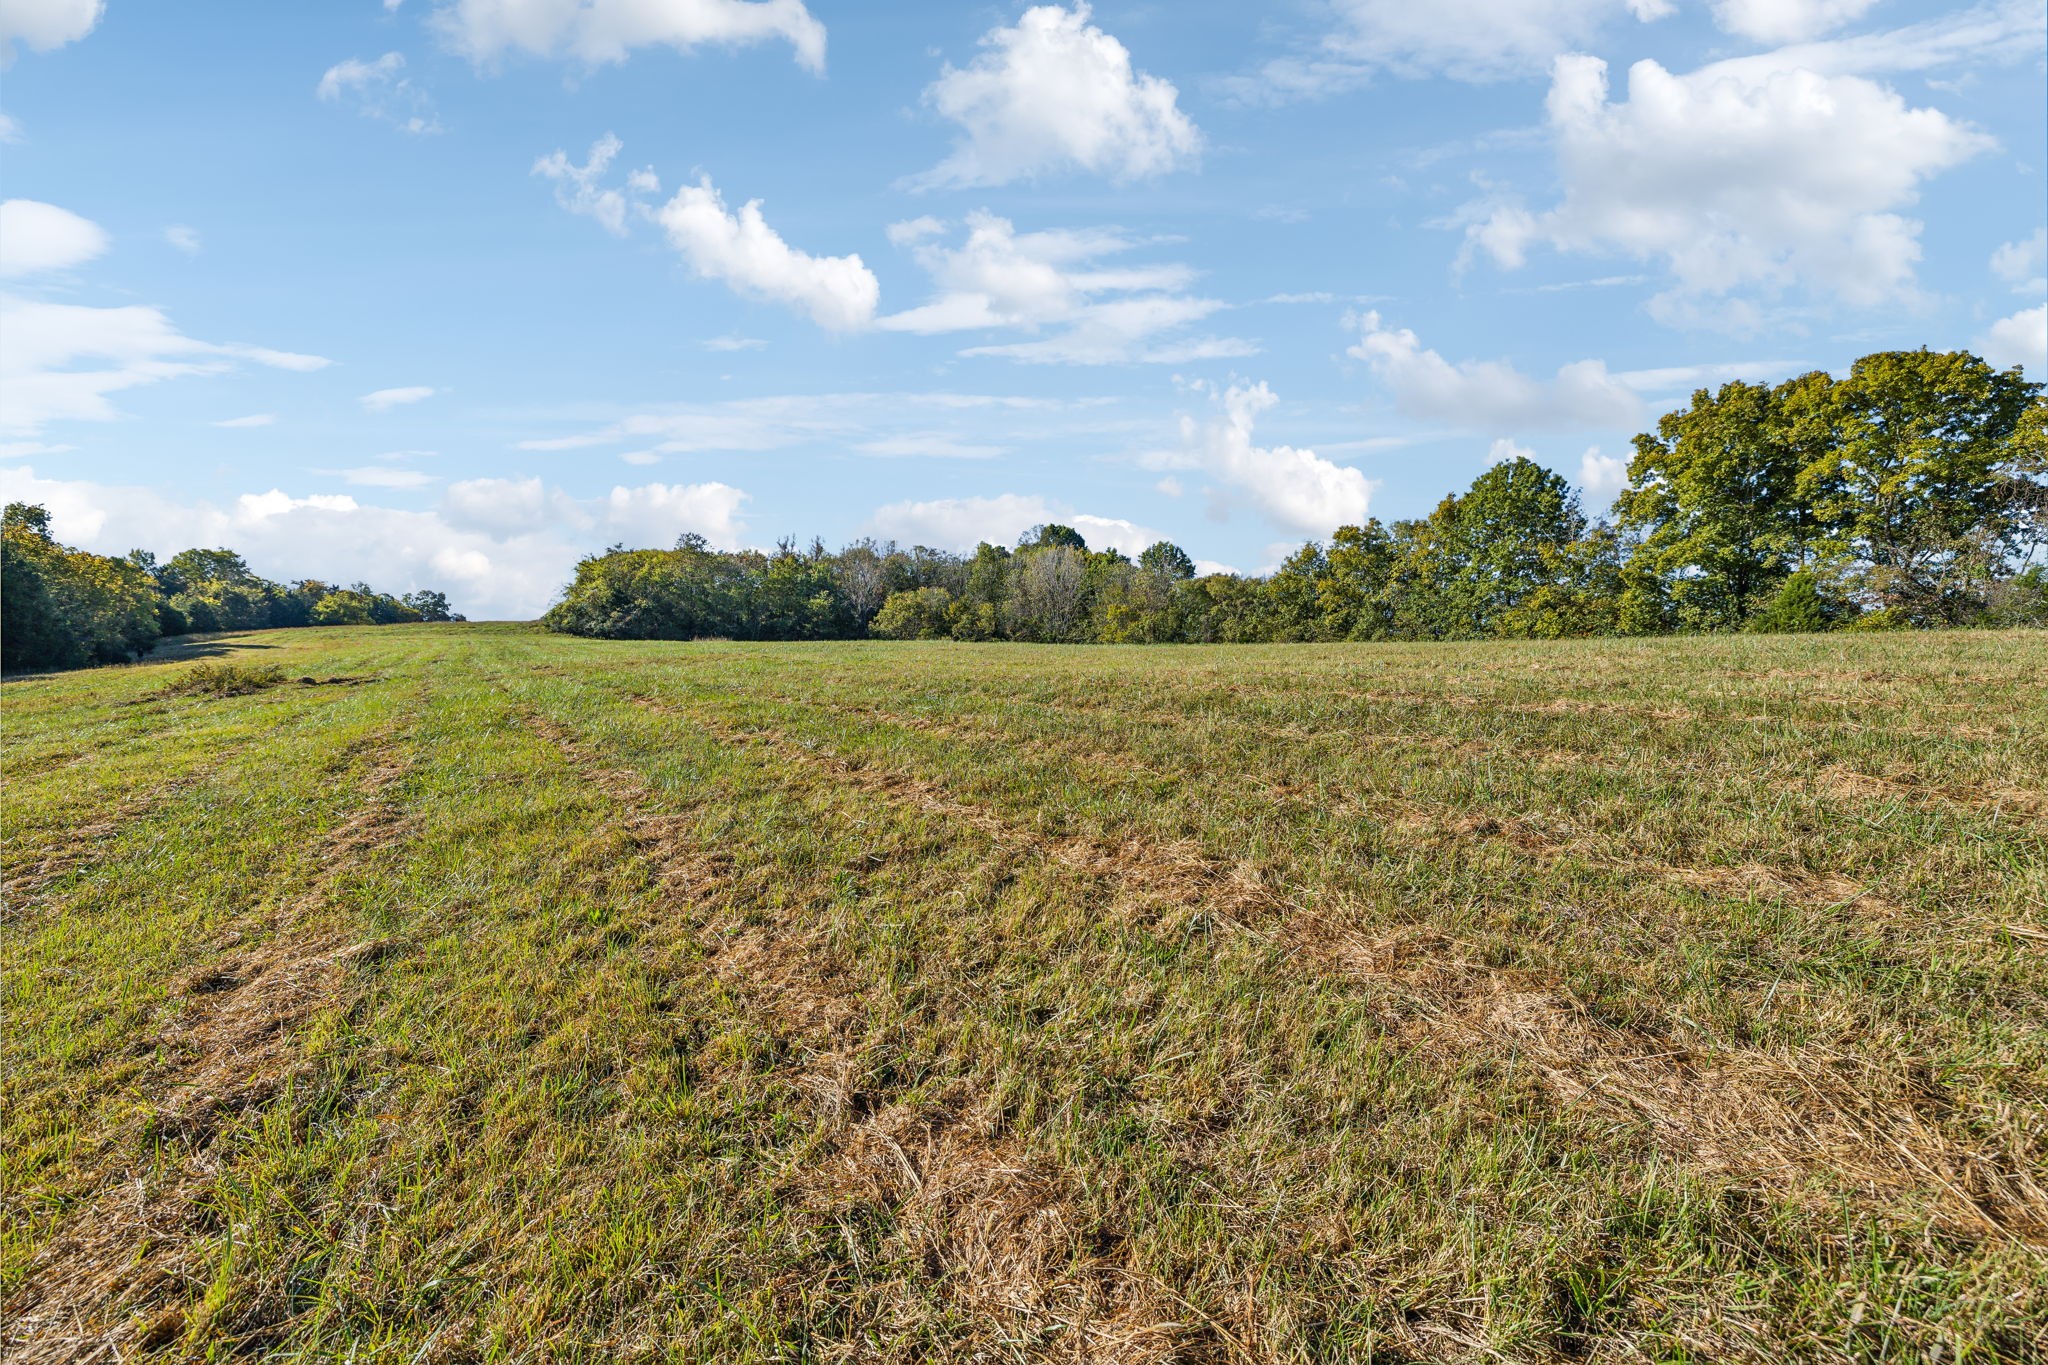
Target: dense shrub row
<point>63,608</point>
<point>1910,493</point>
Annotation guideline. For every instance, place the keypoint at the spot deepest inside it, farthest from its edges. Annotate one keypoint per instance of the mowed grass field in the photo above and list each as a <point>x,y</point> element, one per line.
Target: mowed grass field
<point>501,996</point>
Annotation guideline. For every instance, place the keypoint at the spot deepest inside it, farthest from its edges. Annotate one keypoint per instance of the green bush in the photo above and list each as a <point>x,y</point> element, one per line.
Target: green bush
<point>1803,605</point>
<point>921,614</point>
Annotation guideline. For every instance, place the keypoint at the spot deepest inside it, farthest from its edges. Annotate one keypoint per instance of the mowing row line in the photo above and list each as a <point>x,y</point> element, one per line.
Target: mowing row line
<point>116,1270</point>
<point>1702,1110</point>
<point>993,1228</point>
<point>1728,1109</point>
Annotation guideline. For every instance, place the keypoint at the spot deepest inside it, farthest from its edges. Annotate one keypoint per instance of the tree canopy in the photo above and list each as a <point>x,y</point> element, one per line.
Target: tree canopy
<point>64,608</point>
<point>1913,492</point>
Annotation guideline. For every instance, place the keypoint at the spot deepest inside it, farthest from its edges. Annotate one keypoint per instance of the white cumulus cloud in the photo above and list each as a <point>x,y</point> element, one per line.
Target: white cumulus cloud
<point>1735,183</point>
<point>1055,93</point>
<point>578,190</point>
<point>506,507</point>
<point>45,24</point>
<point>2021,339</point>
<point>500,548</point>
<point>254,419</point>
<point>600,31</point>
<point>2001,31</point>
<point>35,237</point>
<point>2024,264</point>
<point>1736,179</point>
<point>656,513</point>
<point>1602,476</point>
<point>61,361</point>
<point>963,523</point>
<point>1466,40</point>
<point>1296,489</point>
<point>1786,21</point>
<point>740,249</point>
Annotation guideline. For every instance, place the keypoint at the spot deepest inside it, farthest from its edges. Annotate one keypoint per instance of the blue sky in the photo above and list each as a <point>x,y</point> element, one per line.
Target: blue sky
<point>451,292</point>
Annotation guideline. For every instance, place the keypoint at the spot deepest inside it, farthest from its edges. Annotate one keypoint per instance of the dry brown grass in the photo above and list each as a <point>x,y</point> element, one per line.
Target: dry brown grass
<point>993,1233</point>
<point>220,678</point>
<point>574,1001</point>
<point>112,1279</point>
<point>1774,1119</point>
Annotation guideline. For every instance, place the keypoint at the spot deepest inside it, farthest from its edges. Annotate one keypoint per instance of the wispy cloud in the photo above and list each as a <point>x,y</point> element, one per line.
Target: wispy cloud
<point>383,400</point>
<point>1064,285</point>
<point>382,91</point>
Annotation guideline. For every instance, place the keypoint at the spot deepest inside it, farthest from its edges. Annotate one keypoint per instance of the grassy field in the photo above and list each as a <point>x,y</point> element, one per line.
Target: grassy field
<point>468,993</point>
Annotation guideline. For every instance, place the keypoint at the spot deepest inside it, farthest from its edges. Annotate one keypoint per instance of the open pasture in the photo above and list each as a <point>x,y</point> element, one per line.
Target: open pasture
<point>470,993</point>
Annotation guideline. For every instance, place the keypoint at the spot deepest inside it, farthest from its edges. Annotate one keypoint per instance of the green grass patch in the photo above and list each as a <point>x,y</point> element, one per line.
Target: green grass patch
<point>1675,1000</point>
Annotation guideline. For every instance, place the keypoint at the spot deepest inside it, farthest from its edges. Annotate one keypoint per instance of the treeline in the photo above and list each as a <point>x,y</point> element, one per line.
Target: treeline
<point>1913,493</point>
<point>64,608</point>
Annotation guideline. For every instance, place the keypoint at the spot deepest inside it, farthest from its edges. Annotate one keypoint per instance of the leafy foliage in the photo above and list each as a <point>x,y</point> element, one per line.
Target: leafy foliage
<point>1909,494</point>
<point>1911,486</point>
<point>62,608</point>
<point>65,608</point>
<point>695,592</point>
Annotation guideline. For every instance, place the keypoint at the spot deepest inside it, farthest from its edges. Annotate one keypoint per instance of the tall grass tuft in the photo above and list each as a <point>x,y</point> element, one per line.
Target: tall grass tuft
<point>223,680</point>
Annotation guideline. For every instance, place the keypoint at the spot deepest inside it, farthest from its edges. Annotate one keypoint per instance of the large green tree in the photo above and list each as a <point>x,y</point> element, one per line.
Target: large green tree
<point>60,607</point>
<point>1924,474</point>
<point>1481,555</point>
<point>1352,598</point>
<point>1910,487</point>
<point>1293,611</point>
<point>1713,504</point>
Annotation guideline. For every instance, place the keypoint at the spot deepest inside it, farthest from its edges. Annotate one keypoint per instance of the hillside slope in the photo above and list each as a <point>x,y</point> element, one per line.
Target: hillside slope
<point>473,993</point>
